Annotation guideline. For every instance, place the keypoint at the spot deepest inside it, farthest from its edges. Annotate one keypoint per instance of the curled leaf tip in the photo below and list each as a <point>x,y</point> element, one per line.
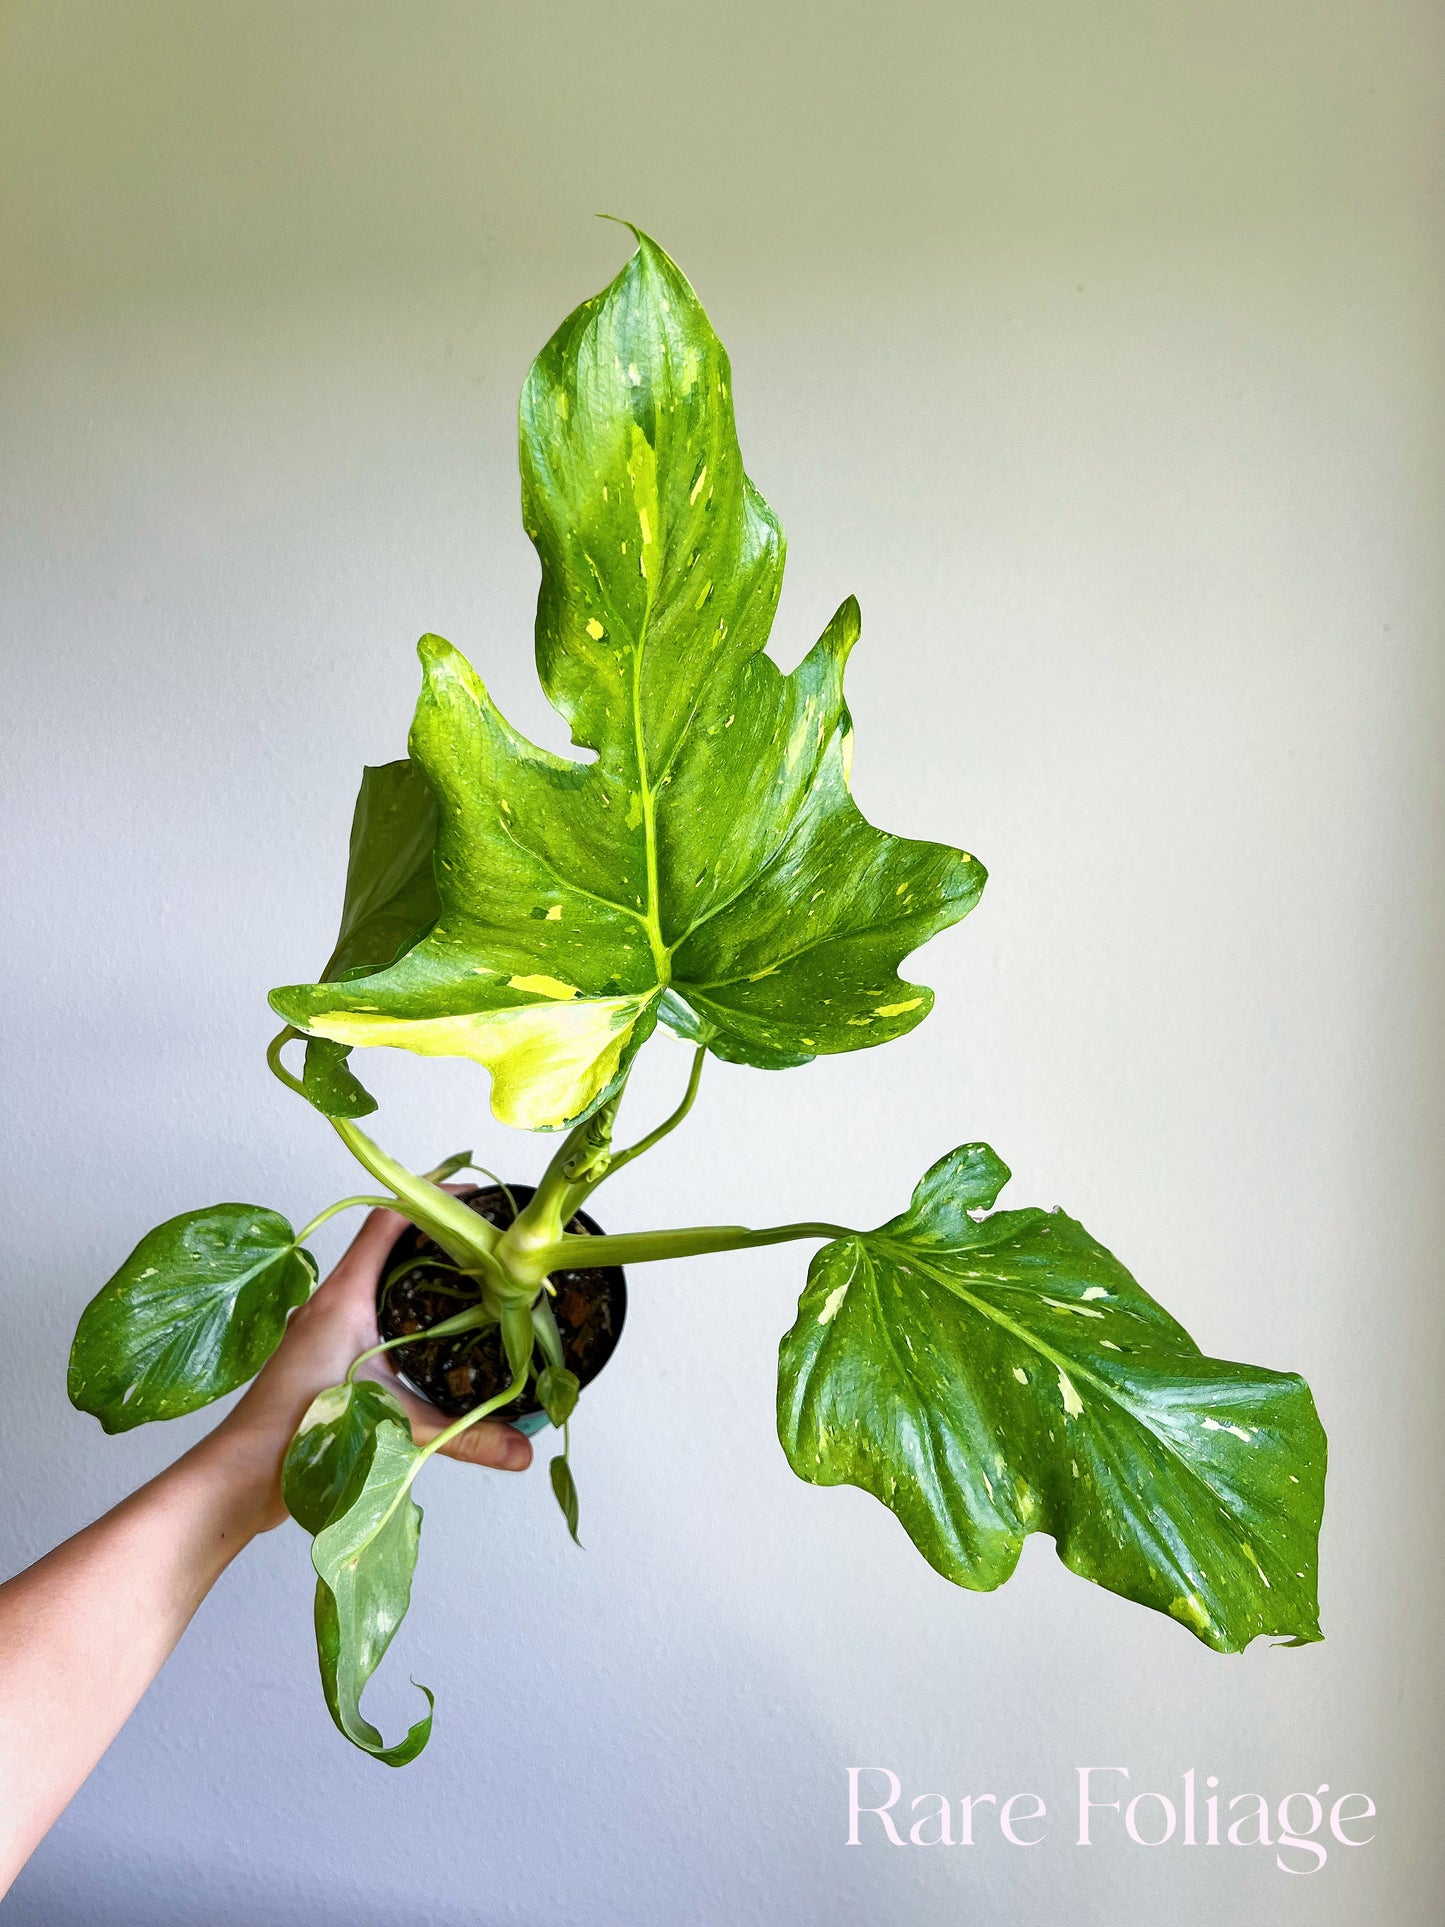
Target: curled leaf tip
<point>621,220</point>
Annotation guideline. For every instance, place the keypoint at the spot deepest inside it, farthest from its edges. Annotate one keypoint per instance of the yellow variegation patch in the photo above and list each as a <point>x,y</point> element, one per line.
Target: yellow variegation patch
<point>548,1062</point>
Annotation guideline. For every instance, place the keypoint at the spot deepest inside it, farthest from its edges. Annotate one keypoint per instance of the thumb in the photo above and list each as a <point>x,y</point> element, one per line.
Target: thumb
<point>491,1443</point>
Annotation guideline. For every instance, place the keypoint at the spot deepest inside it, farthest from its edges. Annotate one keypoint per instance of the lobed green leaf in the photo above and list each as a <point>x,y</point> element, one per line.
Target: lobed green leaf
<point>710,867</point>
<point>991,1376</point>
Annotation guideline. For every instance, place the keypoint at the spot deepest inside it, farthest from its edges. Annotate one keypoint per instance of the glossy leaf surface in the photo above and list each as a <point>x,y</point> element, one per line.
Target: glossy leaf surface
<point>364,1561</point>
<point>391,901</point>
<point>557,1393</point>
<point>329,1443</point>
<point>196,1310</point>
<point>710,866</point>
<point>991,1376</point>
<point>391,895</point>
<point>564,1491</point>
<point>328,1081</point>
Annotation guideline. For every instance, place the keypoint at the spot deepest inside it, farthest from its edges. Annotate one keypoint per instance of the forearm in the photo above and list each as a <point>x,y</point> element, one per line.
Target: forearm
<point>85,1630</point>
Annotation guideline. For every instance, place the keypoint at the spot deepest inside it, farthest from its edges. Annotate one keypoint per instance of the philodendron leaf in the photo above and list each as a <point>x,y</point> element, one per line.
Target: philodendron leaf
<point>391,901</point>
<point>330,1083</point>
<point>564,1491</point>
<point>710,867</point>
<point>329,1442</point>
<point>557,1391</point>
<point>991,1376</point>
<point>391,893</point>
<point>364,1561</point>
<point>196,1309</point>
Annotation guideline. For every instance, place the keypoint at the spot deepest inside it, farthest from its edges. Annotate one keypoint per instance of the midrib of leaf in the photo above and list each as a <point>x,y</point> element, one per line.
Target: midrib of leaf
<point>930,1416</point>
<point>350,1563</point>
<point>228,1287</point>
<point>650,918</point>
<point>1058,1360</point>
<point>661,955</point>
<point>382,1523</point>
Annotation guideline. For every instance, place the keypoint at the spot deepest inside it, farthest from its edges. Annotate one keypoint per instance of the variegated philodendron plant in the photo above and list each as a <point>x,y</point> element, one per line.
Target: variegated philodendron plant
<point>986,1374</point>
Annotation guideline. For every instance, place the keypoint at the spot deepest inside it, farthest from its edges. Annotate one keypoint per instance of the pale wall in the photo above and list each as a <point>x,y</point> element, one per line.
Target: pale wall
<point>1097,350</point>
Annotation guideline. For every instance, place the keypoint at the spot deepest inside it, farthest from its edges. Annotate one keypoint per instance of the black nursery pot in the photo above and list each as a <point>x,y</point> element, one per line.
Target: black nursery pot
<point>459,1373</point>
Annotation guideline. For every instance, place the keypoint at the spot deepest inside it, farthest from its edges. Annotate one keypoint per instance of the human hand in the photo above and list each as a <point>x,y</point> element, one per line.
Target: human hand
<point>332,1329</point>
<point>84,1630</point>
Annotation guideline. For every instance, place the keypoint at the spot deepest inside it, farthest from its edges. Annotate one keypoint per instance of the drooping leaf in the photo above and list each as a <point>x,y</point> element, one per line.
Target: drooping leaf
<point>564,1491</point>
<point>329,1442</point>
<point>391,901</point>
<point>196,1310</point>
<point>710,866</point>
<point>557,1393</point>
<point>987,1377</point>
<point>330,1083</point>
<point>364,1561</point>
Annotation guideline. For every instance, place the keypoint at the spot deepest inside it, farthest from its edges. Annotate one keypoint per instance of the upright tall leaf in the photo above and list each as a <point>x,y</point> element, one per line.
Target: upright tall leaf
<point>391,901</point>
<point>991,1376</point>
<point>364,1561</point>
<point>196,1309</point>
<point>391,894</point>
<point>710,867</point>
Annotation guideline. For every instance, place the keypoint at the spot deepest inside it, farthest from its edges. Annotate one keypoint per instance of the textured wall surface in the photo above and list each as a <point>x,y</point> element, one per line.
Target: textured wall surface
<point>1098,351</point>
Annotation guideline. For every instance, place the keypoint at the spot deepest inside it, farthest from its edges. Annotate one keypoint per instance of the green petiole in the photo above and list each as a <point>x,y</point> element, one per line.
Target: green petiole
<point>343,1204</point>
<point>462,1321</point>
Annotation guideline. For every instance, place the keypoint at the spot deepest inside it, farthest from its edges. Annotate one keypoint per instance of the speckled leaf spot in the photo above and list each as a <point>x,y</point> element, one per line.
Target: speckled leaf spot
<point>710,867</point>
<point>988,1376</point>
<point>196,1309</point>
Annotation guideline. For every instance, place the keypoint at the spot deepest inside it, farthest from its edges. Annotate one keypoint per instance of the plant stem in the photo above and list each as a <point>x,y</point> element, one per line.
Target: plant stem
<point>273,1057</point>
<point>582,1152</point>
<point>641,1247</point>
<point>345,1204</point>
<point>668,1124</point>
<point>458,1426</point>
<point>577,1169</point>
<point>462,1321</point>
<point>501,1183</point>
<point>460,1232</point>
